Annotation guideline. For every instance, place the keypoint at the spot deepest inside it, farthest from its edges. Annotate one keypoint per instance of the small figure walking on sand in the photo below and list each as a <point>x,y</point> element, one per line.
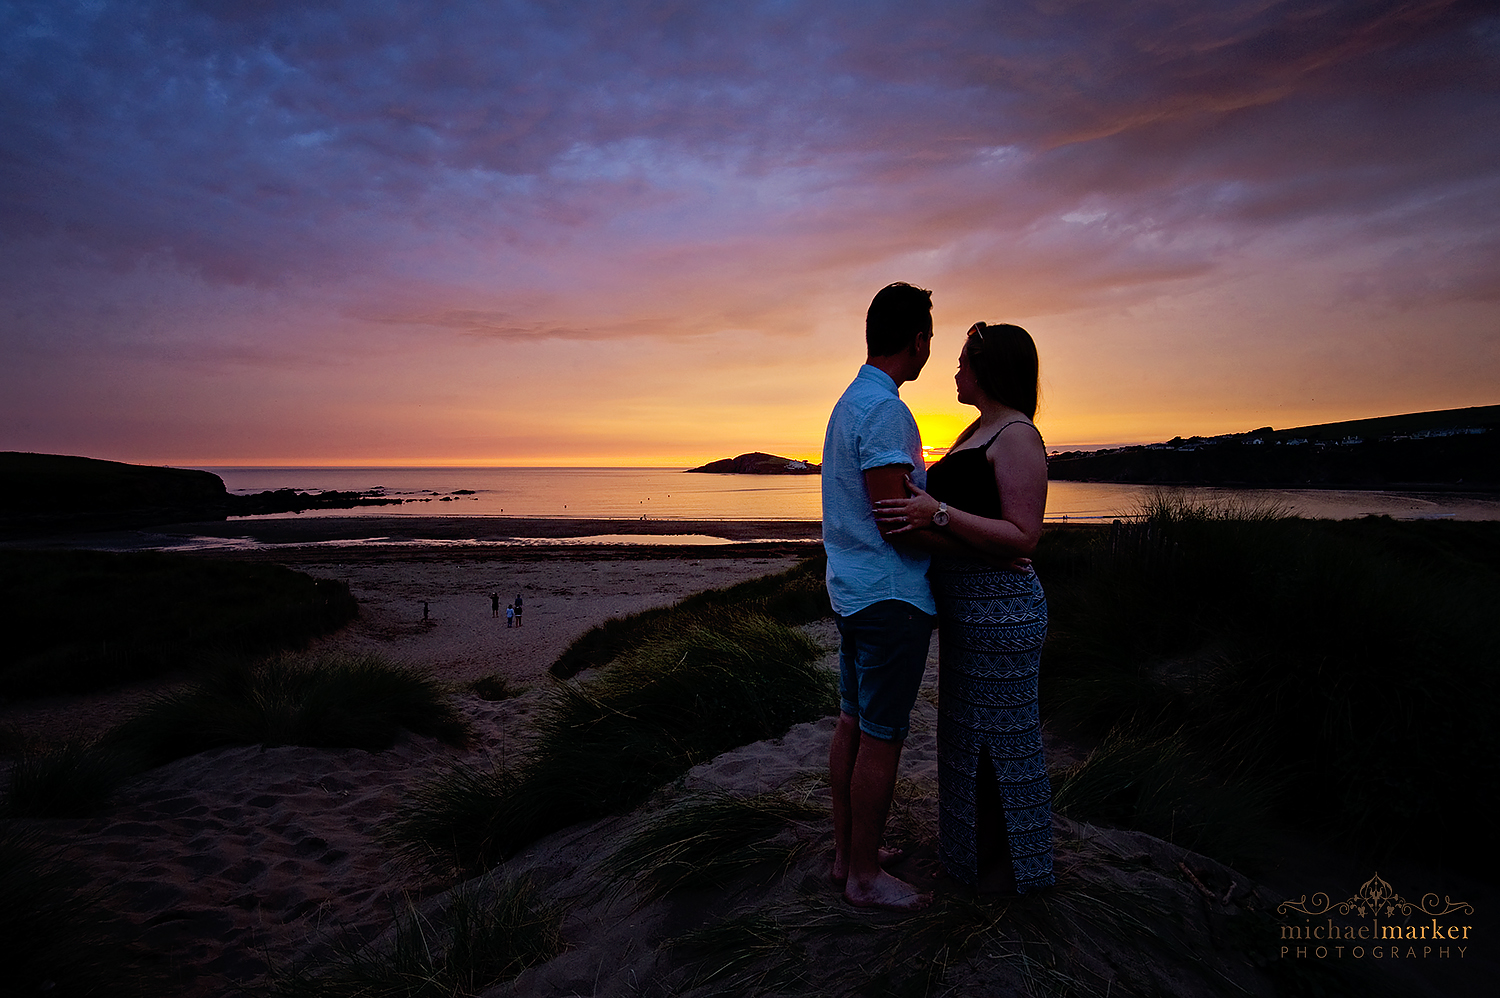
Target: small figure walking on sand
<point>494,604</point>
<point>424,609</point>
<point>518,609</point>
<point>510,614</point>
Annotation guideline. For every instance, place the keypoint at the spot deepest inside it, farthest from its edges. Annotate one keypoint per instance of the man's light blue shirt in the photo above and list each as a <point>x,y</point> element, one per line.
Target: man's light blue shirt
<point>870,428</point>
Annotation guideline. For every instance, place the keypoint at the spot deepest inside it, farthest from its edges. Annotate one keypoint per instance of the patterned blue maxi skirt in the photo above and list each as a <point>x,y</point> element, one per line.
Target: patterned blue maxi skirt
<point>991,623</point>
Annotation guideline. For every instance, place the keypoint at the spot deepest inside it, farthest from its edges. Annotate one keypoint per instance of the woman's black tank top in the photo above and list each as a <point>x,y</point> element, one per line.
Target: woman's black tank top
<point>964,479</point>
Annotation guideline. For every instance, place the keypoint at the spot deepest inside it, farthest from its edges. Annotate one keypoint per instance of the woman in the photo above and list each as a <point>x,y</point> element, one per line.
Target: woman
<point>982,515</point>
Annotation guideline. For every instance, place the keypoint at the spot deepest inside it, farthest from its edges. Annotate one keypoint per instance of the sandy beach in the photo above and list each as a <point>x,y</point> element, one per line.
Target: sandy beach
<point>236,863</point>
<point>233,860</point>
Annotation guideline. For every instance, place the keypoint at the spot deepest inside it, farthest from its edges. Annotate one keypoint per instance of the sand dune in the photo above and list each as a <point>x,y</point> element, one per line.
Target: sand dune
<point>231,858</point>
<point>234,862</point>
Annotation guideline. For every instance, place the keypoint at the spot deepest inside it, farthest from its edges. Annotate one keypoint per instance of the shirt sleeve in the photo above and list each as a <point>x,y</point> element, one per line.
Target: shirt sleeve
<point>889,436</point>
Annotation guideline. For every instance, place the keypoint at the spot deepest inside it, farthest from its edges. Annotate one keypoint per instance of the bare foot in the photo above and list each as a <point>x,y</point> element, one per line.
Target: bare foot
<point>839,872</point>
<point>886,893</point>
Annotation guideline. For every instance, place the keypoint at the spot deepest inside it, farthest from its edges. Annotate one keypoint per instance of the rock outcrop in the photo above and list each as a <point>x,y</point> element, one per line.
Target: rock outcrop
<point>757,463</point>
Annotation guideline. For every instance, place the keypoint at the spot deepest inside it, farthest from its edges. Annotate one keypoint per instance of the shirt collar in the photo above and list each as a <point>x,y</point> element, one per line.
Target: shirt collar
<point>875,374</point>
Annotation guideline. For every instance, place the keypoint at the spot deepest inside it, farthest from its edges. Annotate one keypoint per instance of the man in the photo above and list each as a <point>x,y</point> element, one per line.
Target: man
<point>879,591</point>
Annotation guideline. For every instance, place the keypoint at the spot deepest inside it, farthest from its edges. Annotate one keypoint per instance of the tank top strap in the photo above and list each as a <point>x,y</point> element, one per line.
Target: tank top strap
<point>1005,427</point>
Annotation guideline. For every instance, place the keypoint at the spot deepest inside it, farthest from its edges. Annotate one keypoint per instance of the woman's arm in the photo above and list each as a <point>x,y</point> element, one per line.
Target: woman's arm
<point>1019,461</point>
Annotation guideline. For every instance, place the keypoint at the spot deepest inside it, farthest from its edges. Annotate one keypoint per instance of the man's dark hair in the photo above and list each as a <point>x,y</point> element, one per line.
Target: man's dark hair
<point>896,317</point>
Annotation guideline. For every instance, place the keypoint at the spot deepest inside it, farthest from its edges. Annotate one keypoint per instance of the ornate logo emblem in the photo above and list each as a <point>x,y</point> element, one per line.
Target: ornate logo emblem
<point>1376,898</point>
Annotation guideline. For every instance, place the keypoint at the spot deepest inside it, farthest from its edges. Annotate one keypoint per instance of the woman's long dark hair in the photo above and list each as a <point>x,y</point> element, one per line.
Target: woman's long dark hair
<point>1004,361</point>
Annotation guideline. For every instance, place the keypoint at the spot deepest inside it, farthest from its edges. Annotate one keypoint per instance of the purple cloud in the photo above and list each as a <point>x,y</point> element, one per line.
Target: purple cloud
<point>257,141</point>
<point>248,183</point>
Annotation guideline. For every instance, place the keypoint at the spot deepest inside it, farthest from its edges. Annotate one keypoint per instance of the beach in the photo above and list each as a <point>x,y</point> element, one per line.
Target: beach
<point>242,862</point>
<point>237,864</point>
<point>235,860</point>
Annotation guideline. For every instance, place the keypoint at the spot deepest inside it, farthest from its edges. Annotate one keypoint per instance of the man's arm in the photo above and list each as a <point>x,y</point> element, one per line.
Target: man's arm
<point>889,482</point>
<point>1020,468</point>
<point>886,482</point>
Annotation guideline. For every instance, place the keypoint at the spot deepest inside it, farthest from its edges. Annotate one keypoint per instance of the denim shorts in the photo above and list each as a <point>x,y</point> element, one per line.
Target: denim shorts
<point>881,659</point>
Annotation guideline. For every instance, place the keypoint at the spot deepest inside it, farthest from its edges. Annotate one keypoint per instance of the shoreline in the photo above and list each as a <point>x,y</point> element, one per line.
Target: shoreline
<point>323,538</point>
<point>481,528</point>
<point>326,539</point>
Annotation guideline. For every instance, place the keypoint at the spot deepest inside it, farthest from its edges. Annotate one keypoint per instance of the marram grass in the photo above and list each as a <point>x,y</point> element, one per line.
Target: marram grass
<point>1161,786</point>
<point>1050,941</point>
<point>337,701</point>
<point>324,702</point>
<point>711,838</point>
<point>72,780</point>
<point>707,683</point>
<point>796,596</point>
<point>78,621</point>
<point>484,933</point>
<point>1349,663</point>
<point>60,935</point>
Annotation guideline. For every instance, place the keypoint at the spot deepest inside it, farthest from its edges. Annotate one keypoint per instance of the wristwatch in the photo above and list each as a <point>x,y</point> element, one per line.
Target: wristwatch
<point>940,518</point>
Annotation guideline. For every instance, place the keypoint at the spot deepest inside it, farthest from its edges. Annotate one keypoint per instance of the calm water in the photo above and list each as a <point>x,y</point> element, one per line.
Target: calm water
<point>669,494</point>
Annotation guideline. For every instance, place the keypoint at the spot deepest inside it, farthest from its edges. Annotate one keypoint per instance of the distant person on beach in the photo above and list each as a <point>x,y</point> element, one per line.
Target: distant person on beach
<point>510,614</point>
<point>494,604</point>
<point>881,598</point>
<point>981,516</point>
<point>518,609</point>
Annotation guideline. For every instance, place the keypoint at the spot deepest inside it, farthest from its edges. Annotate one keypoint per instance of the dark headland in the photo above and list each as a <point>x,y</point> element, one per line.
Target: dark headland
<point>756,463</point>
<point>1443,449</point>
<point>49,493</point>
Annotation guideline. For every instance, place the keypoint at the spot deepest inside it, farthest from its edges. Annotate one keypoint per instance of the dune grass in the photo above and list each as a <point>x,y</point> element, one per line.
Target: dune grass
<point>72,780</point>
<point>78,621</point>
<point>462,817</point>
<point>1350,664</point>
<point>494,687</point>
<point>484,933</point>
<point>60,937</point>
<point>746,954</point>
<point>707,682</point>
<point>1164,788</point>
<point>335,701</point>
<point>778,949</point>
<point>796,596</point>
<point>711,838</point>
<point>1093,935</point>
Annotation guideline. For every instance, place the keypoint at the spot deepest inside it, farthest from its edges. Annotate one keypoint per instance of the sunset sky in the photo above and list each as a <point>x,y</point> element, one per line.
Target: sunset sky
<point>633,233</point>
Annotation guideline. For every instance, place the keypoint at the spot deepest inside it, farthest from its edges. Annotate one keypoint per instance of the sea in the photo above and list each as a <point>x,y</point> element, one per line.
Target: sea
<point>673,494</point>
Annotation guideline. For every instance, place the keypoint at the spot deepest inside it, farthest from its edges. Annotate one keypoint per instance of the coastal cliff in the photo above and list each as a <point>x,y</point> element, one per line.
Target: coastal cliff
<point>1446,449</point>
<point>41,492</point>
<point>53,493</point>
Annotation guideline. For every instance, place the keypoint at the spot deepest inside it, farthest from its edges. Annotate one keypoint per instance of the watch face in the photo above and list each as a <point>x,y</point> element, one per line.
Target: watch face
<point>940,518</point>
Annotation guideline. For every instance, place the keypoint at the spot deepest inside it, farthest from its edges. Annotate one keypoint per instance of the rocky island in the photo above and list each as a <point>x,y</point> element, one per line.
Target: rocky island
<point>757,463</point>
